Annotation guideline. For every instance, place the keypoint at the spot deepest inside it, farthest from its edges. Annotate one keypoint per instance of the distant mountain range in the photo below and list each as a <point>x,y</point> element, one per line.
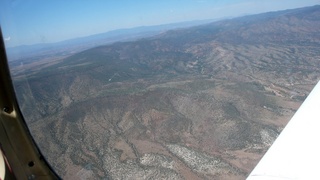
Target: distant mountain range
<point>296,25</point>
<point>172,50</point>
<point>82,43</point>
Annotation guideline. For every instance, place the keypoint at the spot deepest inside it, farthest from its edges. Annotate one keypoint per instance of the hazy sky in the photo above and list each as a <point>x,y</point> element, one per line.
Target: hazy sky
<point>44,21</point>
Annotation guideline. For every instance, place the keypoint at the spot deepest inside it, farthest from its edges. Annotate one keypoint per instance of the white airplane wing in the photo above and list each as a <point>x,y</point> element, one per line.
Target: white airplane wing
<point>296,152</point>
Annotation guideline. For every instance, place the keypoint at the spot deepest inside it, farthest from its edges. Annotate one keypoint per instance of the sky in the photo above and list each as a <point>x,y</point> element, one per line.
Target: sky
<point>26,22</point>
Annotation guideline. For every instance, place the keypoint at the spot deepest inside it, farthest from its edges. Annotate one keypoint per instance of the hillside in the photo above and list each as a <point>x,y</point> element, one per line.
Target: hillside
<point>203,102</point>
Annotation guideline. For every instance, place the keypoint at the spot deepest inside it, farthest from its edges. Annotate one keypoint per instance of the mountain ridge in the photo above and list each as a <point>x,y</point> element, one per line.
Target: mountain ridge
<point>126,34</point>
